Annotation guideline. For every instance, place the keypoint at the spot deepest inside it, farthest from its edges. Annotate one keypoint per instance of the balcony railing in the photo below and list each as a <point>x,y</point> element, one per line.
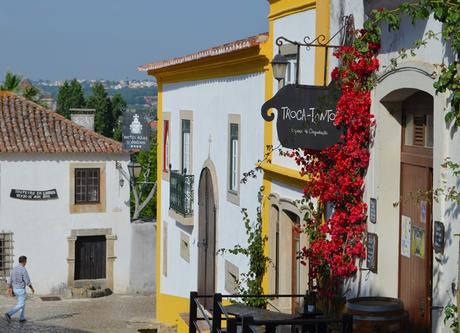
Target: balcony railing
<point>181,193</point>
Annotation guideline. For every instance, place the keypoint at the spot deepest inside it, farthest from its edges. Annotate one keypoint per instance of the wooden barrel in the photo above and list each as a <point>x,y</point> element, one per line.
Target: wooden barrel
<point>377,315</point>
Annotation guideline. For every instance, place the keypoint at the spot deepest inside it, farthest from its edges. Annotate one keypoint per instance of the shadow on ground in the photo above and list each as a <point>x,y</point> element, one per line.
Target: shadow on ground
<point>34,327</point>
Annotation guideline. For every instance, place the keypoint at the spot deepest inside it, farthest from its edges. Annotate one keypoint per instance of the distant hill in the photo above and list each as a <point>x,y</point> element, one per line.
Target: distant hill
<point>138,94</point>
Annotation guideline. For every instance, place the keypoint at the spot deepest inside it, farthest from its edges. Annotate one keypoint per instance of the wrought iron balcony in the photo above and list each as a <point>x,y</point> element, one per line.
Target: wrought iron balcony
<point>181,193</point>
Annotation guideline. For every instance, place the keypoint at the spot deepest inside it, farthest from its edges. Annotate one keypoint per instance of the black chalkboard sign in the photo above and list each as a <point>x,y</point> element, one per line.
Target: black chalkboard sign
<point>373,211</point>
<point>33,195</point>
<point>306,116</point>
<point>372,252</point>
<point>438,239</point>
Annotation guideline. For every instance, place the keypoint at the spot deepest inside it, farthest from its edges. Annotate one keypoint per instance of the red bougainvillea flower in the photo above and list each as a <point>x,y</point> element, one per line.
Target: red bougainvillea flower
<point>337,173</point>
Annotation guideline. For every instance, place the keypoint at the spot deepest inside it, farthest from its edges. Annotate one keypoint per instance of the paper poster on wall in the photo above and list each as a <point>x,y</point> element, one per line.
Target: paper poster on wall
<point>423,211</point>
<point>406,229</point>
<point>418,242</point>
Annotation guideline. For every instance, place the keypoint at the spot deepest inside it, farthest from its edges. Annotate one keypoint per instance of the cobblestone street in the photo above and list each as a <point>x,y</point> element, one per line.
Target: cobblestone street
<point>112,314</point>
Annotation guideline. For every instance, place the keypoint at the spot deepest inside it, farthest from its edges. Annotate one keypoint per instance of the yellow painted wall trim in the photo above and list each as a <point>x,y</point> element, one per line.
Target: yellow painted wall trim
<point>322,28</point>
<point>267,49</point>
<point>169,308</point>
<point>158,194</point>
<point>241,62</point>
<point>282,8</point>
<point>283,171</point>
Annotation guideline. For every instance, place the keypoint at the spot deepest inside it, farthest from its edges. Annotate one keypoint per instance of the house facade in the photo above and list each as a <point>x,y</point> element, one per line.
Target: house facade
<point>62,203</point>
<point>415,257</point>
<point>209,134</point>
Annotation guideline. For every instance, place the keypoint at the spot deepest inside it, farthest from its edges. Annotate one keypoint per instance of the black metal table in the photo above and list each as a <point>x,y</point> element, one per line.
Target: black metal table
<point>241,310</point>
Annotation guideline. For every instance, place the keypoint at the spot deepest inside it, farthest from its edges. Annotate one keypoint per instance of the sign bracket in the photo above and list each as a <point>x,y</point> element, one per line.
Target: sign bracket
<point>321,41</point>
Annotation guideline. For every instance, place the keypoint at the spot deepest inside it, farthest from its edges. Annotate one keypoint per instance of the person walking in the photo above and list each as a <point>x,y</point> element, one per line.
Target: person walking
<point>19,280</point>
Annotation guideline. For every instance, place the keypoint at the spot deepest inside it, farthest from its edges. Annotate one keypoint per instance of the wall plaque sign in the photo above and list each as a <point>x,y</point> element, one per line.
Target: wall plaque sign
<point>306,116</point>
<point>373,210</point>
<point>418,242</point>
<point>136,130</point>
<point>372,252</point>
<point>406,234</point>
<point>439,237</point>
<point>33,195</point>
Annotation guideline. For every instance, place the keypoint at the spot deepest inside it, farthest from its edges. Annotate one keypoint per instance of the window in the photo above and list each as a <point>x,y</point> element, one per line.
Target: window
<point>234,157</point>
<point>186,149</point>
<point>6,254</point>
<point>87,184</point>
<point>166,146</point>
<point>291,72</point>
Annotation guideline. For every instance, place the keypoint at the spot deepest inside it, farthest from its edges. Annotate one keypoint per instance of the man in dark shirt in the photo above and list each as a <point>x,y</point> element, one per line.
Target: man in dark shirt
<point>18,281</point>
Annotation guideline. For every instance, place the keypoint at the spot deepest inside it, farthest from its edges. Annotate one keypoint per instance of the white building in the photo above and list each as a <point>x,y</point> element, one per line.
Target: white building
<point>61,201</point>
<point>209,133</point>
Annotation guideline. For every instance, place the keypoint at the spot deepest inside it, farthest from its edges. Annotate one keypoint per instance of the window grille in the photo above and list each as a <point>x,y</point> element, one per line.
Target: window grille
<point>87,183</point>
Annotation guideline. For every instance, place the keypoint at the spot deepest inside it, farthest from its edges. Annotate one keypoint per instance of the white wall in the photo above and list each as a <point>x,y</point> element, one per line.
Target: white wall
<point>41,228</point>
<point>295,28</point>
<point>211,101</point>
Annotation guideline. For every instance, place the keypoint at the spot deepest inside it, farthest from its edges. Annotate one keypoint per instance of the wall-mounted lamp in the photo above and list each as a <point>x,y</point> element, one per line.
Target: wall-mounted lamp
<point>134,170</point>
<point>279,65</point>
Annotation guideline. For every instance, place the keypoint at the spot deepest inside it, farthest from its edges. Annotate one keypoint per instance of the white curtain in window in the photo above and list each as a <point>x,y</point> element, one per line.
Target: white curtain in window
<point>234,171</point>
<point>186,152</point>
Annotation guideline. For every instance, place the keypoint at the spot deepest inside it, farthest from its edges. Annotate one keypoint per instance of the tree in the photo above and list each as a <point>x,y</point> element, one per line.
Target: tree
<point>70,95</point>
<point>32,93</point>
<point>143,193</point>
<point>118,107</point>
<point>99,100</point>
<point>11,82</point>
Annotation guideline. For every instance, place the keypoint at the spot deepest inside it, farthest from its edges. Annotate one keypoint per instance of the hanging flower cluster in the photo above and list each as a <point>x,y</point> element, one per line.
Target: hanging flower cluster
<point>337,173</point>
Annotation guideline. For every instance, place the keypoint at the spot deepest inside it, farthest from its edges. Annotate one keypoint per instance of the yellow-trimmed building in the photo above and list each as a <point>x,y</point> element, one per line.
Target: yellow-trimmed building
<point>210,132</point>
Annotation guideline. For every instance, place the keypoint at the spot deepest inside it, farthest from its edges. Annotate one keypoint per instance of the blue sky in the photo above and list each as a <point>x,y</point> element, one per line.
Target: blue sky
<point>108,39</point>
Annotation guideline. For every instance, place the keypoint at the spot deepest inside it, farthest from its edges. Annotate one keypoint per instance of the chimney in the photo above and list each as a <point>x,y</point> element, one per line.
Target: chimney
<point>83,117</point>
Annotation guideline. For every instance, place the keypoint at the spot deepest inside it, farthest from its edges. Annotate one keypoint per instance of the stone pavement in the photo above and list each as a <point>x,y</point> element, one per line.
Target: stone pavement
<point>111,314</point>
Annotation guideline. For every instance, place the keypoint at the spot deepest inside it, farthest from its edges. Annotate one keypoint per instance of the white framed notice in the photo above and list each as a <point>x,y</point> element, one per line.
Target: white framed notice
<point>406,230</point>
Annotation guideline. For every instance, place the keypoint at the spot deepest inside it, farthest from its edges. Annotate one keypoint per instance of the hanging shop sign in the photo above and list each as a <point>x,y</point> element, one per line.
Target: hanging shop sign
<point>306,116</point>
<point>372,252</point>
<point>33,195</point>
<point>136,130</point>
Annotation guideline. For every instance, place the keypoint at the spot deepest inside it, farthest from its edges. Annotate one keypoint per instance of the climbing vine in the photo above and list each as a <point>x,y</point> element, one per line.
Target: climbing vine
<point>250,283</point>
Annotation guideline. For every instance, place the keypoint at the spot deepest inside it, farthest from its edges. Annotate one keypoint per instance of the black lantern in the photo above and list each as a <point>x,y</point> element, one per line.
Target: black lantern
<point>134,170</point>
<point>279,65</point>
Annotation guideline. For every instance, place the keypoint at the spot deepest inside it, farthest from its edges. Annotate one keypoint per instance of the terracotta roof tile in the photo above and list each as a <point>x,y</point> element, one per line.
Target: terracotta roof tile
<point>26,127</point>
<point>212,52</point>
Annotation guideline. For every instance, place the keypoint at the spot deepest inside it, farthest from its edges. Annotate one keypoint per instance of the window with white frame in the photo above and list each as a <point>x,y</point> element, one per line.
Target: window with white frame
<point>234,177</point>
<point>186,146</point>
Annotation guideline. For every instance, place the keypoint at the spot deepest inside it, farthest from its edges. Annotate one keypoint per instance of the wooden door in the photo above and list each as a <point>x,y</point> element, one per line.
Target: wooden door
<point>207,237</point>
<point>90,258</point>
<point>415,260</point>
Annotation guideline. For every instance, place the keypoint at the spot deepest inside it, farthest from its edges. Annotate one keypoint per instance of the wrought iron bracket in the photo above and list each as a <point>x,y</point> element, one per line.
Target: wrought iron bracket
<point>347,31</point>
